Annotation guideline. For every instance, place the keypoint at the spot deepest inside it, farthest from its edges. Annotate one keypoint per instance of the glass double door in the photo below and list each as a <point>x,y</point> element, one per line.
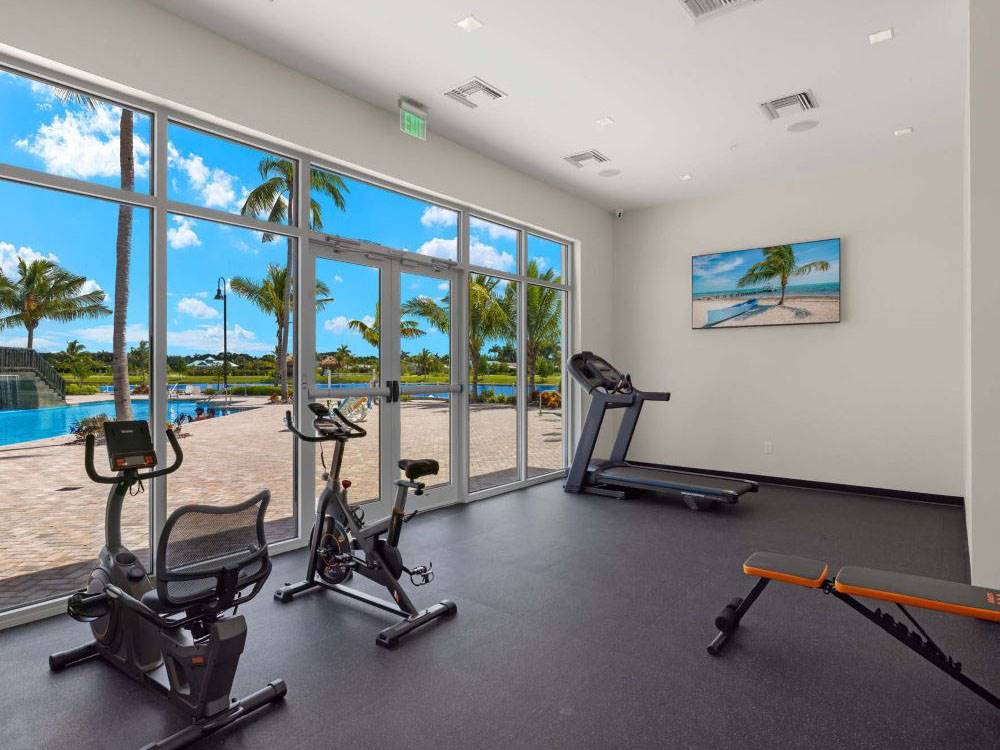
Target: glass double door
<point>378,342</point>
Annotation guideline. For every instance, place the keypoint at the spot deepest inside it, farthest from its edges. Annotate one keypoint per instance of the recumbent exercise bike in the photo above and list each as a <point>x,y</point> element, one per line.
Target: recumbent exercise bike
<point>340,533</point>
<point>173,634</point>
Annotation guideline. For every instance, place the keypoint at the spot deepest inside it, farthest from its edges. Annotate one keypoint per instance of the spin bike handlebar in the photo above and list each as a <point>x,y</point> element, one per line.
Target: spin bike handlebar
<point>114,479</point>
<point>331,424</point>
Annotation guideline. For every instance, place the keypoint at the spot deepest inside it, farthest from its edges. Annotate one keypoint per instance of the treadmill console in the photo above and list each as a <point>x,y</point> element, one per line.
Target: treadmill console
<point>130,445</point>
<point>594,372</point>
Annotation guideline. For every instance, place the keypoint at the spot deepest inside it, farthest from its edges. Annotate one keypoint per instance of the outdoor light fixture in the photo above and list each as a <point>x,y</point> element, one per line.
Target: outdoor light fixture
<point>221,293</point>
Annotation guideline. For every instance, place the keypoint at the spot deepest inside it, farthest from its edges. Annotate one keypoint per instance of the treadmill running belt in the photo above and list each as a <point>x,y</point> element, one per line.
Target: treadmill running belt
<point>678,481</point>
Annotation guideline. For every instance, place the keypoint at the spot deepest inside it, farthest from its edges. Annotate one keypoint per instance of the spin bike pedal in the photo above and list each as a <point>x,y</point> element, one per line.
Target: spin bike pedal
<point>421,575</point>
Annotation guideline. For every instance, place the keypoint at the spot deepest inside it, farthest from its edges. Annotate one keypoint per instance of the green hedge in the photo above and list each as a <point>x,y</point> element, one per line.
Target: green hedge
<point>72,389</point>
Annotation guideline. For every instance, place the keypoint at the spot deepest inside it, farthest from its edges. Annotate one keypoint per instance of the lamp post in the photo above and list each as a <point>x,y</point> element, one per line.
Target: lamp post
<point>222,293</point>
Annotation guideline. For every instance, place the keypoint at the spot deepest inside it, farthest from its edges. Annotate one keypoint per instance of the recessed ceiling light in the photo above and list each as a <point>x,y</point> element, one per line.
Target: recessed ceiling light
<point>609,172</point>
<point>878,37</point>
<point>802,125</point>
<point>469,24</point>
<point>684,178</point>
<point>902,131</point>
<point>605,122</point>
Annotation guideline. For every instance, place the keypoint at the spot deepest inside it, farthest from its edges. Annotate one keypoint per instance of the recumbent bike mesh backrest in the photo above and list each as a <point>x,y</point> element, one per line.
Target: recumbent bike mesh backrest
<point>209,554</point>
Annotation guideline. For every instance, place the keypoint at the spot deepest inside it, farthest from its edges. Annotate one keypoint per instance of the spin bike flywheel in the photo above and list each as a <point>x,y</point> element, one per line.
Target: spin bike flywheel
<point>334,542</point>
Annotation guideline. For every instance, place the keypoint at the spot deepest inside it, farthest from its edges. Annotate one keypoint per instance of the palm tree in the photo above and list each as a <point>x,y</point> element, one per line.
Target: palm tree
<point>424,360</point>
<point>543,319</point>
<point>779,262</point>
<point>491,316</point>
<point>408,329</point>
<point>123,249</point>
<point>343,357</point>
<point>272,197</point>
<point>271,295</point>
<point>44,290</point>
<point>138,359</point>
<point>78,361</point>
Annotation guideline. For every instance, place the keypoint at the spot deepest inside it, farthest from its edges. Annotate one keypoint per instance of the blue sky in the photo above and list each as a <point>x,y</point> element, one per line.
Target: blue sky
<point>42,131</point>
<point>721,271</point>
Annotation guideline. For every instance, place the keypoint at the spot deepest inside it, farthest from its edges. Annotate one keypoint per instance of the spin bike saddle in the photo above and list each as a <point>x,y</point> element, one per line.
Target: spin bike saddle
<point>418,467</point>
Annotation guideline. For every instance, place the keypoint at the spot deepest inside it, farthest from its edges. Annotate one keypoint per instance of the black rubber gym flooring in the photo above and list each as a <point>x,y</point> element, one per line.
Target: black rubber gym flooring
<point>582,623</point>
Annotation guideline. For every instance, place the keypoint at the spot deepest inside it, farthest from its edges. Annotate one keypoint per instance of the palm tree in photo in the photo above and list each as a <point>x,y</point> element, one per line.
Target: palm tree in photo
<point>43,290</point>
<point>271,295</point>
<point>491,316</point>
<point>123,248</point>
<point>779,263</point>
<point>408,329</point>
<point>272,198</point>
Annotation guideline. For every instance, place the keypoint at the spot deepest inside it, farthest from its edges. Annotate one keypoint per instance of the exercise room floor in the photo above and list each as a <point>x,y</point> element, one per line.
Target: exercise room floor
<point>582,623</point>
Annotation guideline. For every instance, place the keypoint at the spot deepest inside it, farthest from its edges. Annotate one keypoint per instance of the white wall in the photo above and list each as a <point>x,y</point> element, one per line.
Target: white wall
<point>875,400</point>
<point>130,43</point>
<point>983,268</point>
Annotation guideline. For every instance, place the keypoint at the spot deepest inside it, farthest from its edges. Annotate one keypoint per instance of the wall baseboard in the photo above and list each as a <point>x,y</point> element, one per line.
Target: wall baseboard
<point>918,497</point>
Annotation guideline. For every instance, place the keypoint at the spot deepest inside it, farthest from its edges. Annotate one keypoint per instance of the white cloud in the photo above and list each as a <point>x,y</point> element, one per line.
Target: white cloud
<point>439,247</point>
<point>209,338</point>
<point>84,145</point>
<point>201,295</point>
<point>9,256</point>
<point>444,286</point>
<point>336,325</point>
<point>709,266</point>
<point>342,324</point>
<point>134,333</point>
<point>338,279</point>
<point>39,343</point>
<point>495,231</point>
<point>215,187</point>
<point>90,286</point>
<point>490,257</point>
<point>182,234</point>
<point>196,308</point>
<point>540,262</point>
<point>435,216</point>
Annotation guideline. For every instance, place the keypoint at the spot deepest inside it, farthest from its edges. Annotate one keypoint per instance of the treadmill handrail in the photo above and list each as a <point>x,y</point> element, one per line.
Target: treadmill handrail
<point>654,395</point>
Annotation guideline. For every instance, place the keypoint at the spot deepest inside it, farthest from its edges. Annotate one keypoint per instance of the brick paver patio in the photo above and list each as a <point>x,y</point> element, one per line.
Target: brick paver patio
<point>52,515</point>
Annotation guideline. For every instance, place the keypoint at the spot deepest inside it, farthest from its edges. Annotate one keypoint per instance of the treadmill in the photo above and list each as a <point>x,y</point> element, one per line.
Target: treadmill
<point>616,476</point>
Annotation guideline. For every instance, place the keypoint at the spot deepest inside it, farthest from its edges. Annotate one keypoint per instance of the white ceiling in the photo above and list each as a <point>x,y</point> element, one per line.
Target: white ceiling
<point>684,95</point>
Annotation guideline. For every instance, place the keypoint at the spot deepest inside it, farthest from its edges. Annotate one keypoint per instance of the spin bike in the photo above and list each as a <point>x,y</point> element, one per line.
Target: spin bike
<point>173,634</point>
<point>340,532</point>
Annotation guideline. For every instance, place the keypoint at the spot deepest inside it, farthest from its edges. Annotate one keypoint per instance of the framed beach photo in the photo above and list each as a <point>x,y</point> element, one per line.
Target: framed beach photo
<point>794,284</point>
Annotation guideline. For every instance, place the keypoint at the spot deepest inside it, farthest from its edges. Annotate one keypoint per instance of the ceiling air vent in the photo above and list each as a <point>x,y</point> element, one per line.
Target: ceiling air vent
<point>792,104</point>
<point>703,8</point>
<point>577,160</point>
<point>474,92</point>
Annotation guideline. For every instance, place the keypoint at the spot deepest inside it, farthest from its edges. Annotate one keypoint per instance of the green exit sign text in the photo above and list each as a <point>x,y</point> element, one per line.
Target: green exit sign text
<point>413,124</point>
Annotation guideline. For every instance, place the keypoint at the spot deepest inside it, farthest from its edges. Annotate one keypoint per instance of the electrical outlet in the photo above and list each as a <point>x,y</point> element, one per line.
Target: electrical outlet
<point>768,448</point>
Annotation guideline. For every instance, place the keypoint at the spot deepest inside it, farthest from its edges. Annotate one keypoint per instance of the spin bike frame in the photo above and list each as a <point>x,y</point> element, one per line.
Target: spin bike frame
<point>364,537</point>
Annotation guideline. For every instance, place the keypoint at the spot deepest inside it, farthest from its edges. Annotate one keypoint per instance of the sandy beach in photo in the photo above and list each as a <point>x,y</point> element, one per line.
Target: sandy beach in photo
<point>805,309</point>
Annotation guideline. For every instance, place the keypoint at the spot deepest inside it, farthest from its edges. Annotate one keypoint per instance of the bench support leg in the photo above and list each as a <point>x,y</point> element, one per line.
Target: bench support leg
<point>920,642</point>
<point>729,619</point>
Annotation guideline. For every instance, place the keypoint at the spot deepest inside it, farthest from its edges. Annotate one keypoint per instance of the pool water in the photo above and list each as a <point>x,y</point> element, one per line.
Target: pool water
<point>21,425</point>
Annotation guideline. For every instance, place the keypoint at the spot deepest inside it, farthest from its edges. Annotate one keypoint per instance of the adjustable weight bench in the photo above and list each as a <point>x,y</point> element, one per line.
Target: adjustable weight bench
<point>899,588</point>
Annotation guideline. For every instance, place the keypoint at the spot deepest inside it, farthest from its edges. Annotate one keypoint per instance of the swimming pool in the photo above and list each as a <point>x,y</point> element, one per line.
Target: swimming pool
<point>21,425</point>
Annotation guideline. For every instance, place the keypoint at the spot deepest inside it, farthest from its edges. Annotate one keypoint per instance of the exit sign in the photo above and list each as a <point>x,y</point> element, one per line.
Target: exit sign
<point>413,124</point>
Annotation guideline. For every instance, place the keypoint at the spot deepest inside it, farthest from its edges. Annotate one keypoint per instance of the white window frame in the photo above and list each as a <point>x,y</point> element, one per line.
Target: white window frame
<point>158,202</point>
